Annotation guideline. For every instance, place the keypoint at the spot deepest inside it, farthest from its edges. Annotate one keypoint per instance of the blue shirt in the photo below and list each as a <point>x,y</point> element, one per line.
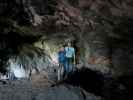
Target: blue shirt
<point>70,52</point>
<point>61,56</point>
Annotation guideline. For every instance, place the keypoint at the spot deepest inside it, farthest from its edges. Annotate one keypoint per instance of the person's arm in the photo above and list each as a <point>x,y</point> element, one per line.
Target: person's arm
<point>58,57</point>
<point>74,60</point>
<point>74,57</point>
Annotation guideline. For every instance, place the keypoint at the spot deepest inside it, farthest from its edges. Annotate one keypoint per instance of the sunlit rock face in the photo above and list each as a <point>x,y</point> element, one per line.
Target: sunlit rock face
<point>17,69</point>
<point>29,61</point>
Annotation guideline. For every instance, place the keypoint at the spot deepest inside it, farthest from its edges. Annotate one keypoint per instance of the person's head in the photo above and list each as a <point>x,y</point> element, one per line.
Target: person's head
<point>69,44</point>
<point>62,48</point>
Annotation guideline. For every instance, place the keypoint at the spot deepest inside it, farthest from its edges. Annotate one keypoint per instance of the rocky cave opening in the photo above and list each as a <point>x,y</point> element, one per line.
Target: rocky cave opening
<point>31,32</point>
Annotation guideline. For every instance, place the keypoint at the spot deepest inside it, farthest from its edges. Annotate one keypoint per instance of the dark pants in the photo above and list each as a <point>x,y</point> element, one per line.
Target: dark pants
<point>61,72</point>
<point>69,65</point>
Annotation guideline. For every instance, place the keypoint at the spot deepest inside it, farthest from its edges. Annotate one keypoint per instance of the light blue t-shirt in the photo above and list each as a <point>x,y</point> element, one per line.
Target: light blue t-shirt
<point>70,52</point>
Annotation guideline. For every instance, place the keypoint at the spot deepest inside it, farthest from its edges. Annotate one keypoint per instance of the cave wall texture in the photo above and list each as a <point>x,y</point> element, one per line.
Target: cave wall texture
<point>102,29</point>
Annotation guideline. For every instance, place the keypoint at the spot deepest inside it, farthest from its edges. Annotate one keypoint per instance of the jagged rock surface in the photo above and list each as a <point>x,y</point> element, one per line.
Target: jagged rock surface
<point>102,27</point>
<point>23,90</point>
<point>101,30</point>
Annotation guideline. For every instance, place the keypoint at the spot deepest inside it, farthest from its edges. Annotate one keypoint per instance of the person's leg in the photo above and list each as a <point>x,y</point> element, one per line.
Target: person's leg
<point>63,70</point>
<point>69,68</point>
<point>70,65</point>
<point>60,71</point>
<point>66,66</point>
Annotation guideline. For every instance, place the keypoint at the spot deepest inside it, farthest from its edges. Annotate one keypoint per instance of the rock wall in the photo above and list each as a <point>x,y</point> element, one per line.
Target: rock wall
<point>102,28</point>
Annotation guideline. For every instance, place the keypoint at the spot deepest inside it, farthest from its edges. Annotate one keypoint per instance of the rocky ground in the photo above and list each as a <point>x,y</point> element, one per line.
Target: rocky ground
<point>76,87</point>
<point>26,90</point>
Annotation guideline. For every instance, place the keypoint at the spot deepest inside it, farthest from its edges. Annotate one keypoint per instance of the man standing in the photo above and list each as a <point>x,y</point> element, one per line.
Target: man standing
<point>62,62</point>
<point>70,57</point>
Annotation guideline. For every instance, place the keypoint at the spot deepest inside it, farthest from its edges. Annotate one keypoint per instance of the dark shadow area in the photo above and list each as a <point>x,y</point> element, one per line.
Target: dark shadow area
<point>87,79</point>
<point>105,86</point>
<point>127,81</point>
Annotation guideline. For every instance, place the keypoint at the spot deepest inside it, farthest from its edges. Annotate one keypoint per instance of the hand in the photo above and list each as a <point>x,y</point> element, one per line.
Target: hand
<point>74,63</point>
